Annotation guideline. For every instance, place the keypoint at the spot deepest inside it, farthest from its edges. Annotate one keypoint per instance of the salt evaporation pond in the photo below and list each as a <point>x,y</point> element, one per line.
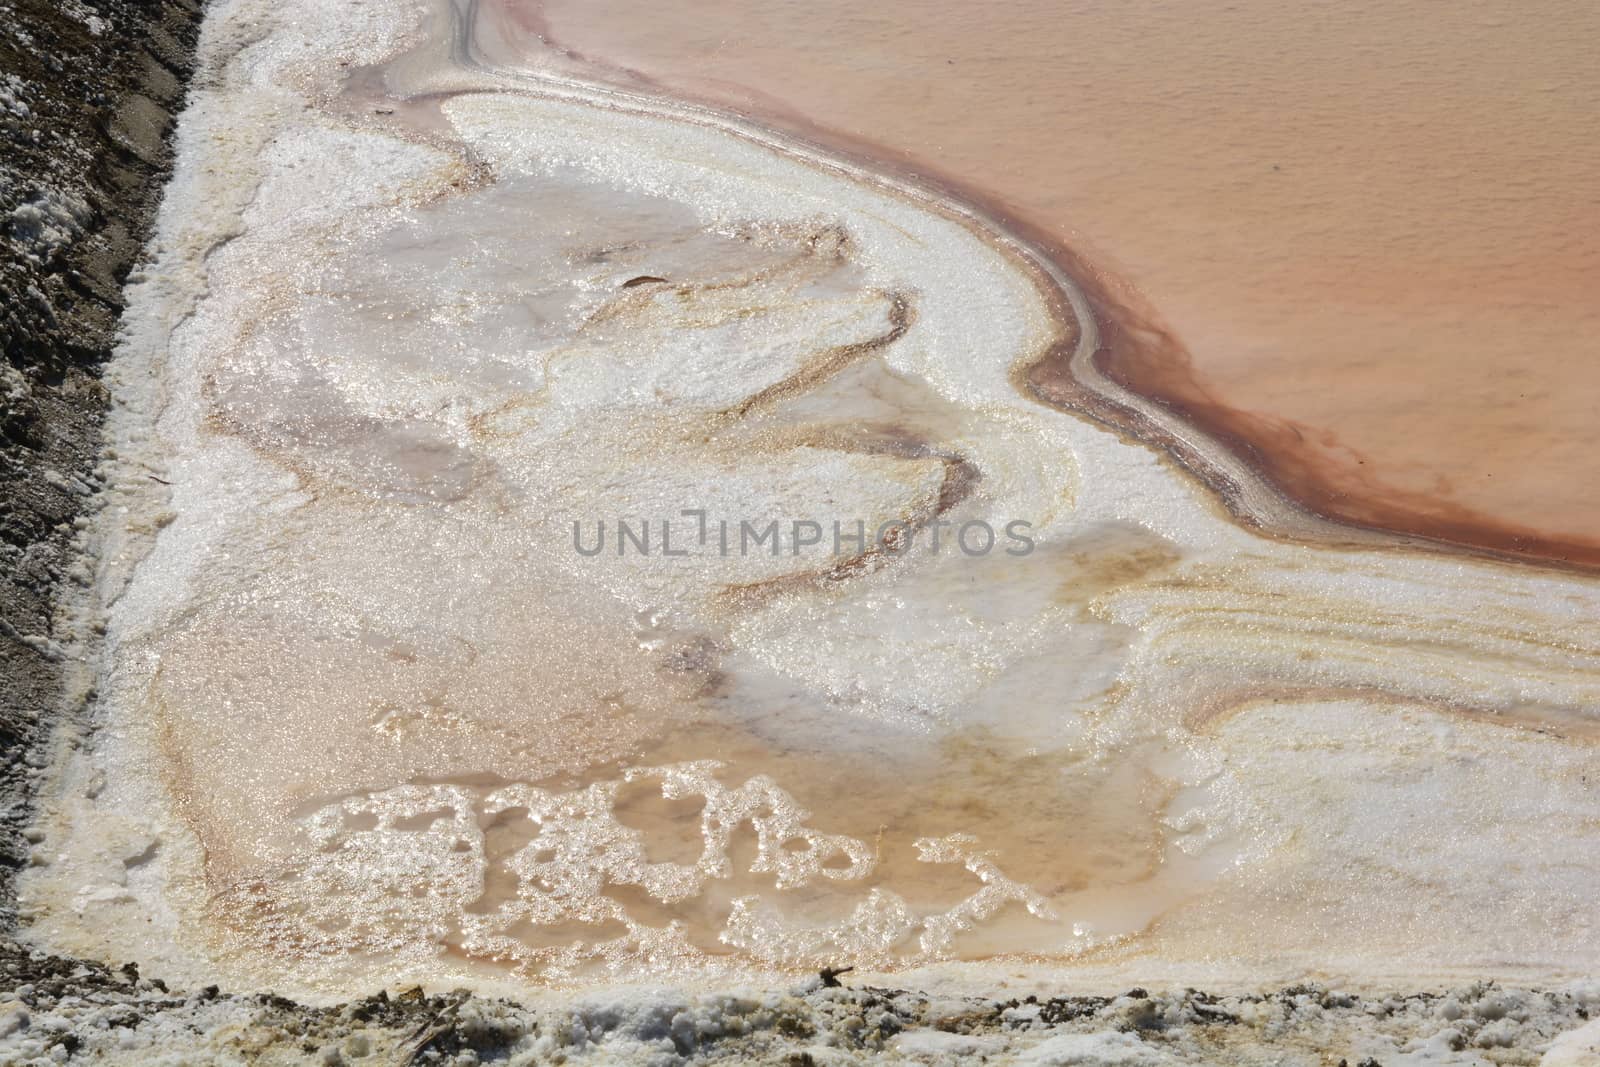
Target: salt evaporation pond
<point>368,711</point>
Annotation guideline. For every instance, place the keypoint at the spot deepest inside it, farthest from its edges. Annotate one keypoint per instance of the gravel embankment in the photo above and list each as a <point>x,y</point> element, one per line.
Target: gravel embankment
<point>62,1009</point>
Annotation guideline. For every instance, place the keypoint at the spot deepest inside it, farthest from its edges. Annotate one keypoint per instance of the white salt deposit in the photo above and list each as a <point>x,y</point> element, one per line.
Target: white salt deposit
<point>48,222</point>
<point>366,714</point>
<point>13,96</point>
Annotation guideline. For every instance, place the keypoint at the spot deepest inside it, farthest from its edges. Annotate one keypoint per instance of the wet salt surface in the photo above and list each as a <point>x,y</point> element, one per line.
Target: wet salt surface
<point>1356,241</point>
<point>367,717</point>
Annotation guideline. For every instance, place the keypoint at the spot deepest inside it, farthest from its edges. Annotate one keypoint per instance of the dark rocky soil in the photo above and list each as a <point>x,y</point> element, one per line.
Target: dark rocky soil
<point>61,1010</point>
<point>88,91</point>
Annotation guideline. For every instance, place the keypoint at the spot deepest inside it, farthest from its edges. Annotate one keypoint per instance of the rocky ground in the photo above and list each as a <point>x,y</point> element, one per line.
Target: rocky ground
<point>88,91</point>
<point>57,1010</point>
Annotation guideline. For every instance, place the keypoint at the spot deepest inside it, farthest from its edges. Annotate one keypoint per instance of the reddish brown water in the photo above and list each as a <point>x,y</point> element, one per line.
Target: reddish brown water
<point>1368,230</point>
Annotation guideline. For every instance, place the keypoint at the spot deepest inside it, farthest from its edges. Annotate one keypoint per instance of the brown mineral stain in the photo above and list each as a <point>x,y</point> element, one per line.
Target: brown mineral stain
<point>1368,230</point>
